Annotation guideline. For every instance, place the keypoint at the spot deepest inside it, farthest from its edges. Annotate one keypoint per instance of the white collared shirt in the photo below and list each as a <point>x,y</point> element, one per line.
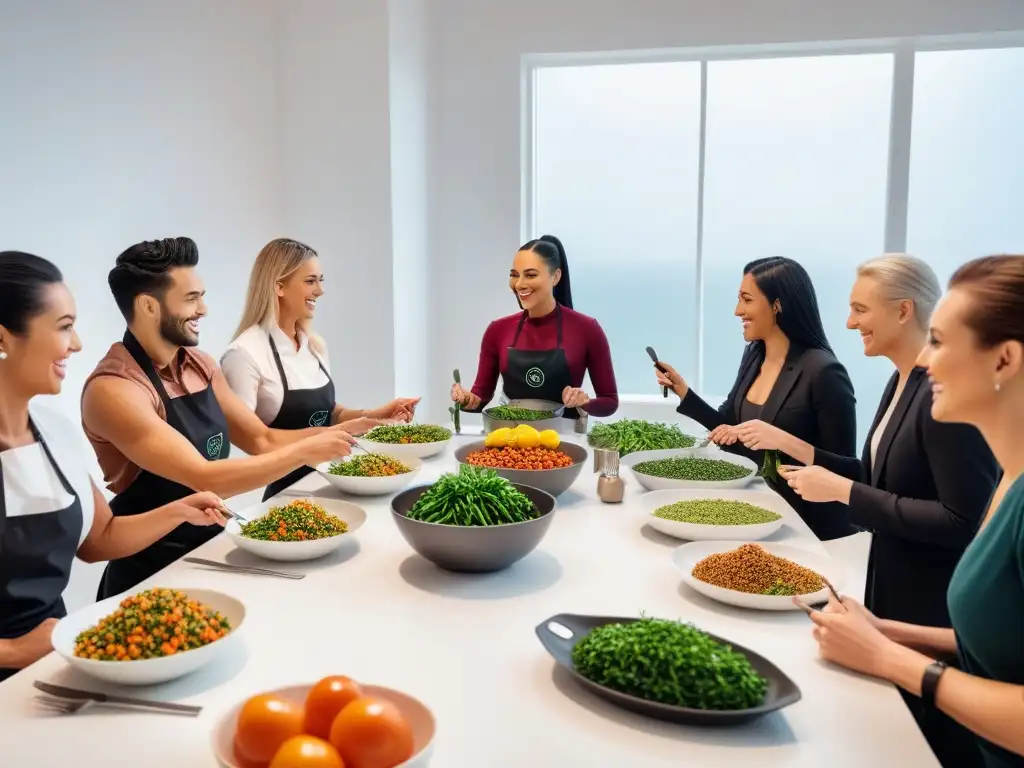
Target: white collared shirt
<point>250,370</point>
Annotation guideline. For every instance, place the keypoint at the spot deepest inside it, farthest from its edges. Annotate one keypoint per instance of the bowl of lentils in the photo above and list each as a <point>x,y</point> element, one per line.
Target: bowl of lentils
<point>289,529</point>
<point>703,468</point>
<point>714,515</point>
<point>370,474</point>
<point>406,441</point>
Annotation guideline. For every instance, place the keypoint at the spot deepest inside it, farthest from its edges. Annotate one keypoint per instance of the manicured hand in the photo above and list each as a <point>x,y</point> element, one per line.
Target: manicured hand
<point>465,398</point>
<point>401,409</point>
<point>848,638</point>
<point>202,509</point>
<point>332,443</point>
<point>672,379</point>
<point>817,484</point>
<point>724,434</point>
<point>759,435</point>
<point>574,397</point>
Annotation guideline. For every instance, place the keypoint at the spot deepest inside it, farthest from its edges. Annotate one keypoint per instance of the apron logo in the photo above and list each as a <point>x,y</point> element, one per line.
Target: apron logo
<point>535,377</point>
<point>214,445</point>
<point>319,418</point>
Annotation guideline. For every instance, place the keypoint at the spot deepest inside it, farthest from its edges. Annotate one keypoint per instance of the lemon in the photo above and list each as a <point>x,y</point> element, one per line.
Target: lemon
<point>550,439</point>
<point>527,436</point>
<point>499,438</point>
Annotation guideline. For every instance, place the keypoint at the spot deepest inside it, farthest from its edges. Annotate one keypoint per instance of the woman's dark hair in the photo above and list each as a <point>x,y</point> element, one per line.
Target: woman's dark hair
<point>23,280</point>
<point>784,281</point>
<point>145,268</point>
<point>550,249</point>
<point>997,285</point>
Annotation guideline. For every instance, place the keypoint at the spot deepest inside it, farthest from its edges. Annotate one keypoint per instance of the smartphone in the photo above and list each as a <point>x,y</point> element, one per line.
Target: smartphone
<point>654,359</point>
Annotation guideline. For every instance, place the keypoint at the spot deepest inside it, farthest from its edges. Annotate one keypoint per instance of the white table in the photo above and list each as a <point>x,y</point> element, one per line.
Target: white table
<point>466,646</point>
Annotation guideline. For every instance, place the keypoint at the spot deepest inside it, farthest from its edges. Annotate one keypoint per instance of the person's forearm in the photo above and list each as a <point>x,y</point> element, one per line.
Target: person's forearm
<point>13,654</point>
<point>935,641</point>
<point>342,414</point>
<point>990,709</point>
<point>234,476</point>
<point>799,449</point>
<point>125,536</point>
<point>602,405</point>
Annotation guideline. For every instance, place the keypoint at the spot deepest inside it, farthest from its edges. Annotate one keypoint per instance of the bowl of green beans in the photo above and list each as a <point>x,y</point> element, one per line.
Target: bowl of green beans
<point>714,515</point>
<point>472,520</point>
<point>703,468</point>
<point>539,414</point>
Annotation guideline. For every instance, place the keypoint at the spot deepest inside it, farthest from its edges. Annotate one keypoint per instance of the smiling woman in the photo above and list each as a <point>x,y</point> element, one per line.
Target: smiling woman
<point>278,367</point>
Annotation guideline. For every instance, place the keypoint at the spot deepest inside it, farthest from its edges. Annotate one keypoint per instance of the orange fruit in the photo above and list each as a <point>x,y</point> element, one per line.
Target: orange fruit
<point>372,733</point>
<point>325,700</point>
<point>306,752</point>
<point>264,724</point>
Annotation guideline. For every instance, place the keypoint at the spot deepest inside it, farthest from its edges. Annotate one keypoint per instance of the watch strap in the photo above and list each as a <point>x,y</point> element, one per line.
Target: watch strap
<point>930,681</point>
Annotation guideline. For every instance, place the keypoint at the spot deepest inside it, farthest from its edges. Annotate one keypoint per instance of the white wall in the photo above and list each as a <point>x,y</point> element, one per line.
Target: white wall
<point>475,162</point>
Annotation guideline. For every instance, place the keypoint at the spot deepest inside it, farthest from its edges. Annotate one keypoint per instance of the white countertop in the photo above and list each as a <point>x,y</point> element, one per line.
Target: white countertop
<point>465,645</point>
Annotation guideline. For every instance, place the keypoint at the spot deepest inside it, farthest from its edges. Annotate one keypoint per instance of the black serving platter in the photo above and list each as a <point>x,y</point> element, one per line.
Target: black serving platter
<point>781,690</point>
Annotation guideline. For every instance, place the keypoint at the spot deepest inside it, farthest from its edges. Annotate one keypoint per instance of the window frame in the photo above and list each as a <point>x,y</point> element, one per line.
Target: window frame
<point>903,50</point>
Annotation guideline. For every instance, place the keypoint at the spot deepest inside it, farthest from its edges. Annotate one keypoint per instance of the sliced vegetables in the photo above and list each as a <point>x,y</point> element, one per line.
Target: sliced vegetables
<point>369,465</point>
<point>630,435</point>
<point>301,520</point>
<point>520,458</point>
<point>473,496</point>
<point>406,434</point>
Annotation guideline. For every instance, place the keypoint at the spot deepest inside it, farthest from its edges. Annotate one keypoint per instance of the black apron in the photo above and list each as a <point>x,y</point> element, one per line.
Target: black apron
<point>300,408</point>
<point>538,374</point>
<point>200,419</point>
<point>36,553</point>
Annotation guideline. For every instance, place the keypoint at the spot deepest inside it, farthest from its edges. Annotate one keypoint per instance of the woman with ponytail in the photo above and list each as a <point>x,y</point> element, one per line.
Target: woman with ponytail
<point>543,352</point>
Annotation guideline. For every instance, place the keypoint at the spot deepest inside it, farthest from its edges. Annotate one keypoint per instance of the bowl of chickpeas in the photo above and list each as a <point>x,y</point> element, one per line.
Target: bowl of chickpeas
<point>552,470</point>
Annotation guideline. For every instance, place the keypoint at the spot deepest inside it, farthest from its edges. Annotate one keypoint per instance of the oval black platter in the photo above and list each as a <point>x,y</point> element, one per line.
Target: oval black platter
<point>782,691</point>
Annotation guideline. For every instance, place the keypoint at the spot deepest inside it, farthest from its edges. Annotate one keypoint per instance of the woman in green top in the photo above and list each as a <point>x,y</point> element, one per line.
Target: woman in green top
<point>975,360</point>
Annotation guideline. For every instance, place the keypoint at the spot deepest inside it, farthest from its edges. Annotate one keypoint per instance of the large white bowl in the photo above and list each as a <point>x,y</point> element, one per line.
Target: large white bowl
<point>416,713</point>
<point>653,501</point>
<point>146,671</point>
<point>686,557</point>
<point>652,483</point>
<point>292,551</point>
<point>405,450</point>
<point>373,486</point>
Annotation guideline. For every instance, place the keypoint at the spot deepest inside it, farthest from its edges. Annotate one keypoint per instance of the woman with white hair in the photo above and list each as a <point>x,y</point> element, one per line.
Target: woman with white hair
<point>278,366</point>
<point>921,486</point>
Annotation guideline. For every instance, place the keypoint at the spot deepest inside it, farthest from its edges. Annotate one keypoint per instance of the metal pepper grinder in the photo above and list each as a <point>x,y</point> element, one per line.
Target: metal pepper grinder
<point>581,424</point>
<point>610,487</point>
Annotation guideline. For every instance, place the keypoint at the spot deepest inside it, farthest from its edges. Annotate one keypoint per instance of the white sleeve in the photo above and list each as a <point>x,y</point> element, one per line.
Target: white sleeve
<point>242,375</point>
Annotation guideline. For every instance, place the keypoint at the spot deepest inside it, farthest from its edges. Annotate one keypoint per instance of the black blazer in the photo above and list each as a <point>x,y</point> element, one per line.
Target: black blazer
<point>923,498</point>
<point>813,400</point>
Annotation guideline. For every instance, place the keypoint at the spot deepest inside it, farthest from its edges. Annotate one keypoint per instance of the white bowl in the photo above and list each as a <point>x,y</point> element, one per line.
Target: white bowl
<point>405,450</point>
<point>686,557</point>
<point>292,551</point>
<point>146,671</point>
<point>416,713</point>
<point>652,483</point>
<point>373,486</point>
<point>702,532</point>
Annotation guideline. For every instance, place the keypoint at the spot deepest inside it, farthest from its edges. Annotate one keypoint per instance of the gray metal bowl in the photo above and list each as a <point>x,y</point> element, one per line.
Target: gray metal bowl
<point>473,549</point>
<point>553,481</point>
<point>557,423</point>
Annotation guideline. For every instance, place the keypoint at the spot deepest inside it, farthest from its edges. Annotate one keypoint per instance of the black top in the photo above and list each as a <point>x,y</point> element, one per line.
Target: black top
<point>924,499</point>
<point>813,400</point>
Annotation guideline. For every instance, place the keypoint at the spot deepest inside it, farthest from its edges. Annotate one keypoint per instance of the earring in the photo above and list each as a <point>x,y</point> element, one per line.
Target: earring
<point>3,355</point>
<point>998,385</point>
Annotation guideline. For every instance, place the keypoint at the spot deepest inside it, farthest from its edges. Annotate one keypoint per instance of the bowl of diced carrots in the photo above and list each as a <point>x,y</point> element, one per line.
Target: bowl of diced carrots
<point>150,637</point>
<point>552,470</point>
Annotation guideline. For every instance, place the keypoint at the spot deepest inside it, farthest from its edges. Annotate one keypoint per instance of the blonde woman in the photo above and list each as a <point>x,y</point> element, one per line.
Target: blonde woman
<point>278,366</point>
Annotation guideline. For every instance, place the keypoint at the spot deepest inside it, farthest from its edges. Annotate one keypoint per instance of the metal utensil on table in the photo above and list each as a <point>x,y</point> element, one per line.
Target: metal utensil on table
<point>832,590</point>
<point>250,569</point>
<point>61,700</point>
<point>657,364</point>
<point>231,513</point>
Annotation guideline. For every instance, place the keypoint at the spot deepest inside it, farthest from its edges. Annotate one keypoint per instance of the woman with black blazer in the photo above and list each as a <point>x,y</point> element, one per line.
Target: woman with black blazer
<point>920,485</point>
<point>788,378</point>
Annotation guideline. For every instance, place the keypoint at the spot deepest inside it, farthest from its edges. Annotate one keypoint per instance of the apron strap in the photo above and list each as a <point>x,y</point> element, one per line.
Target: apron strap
<point>558,327</point>
<point>280,366</point>
<point>146,364</point>
<point>68,488</point>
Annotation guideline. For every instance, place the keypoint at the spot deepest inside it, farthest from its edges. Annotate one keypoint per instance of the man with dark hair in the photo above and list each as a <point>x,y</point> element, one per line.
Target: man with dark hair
<point>161,417</point>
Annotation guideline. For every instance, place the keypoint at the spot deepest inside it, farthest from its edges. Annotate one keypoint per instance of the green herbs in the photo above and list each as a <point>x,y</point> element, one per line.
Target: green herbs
<point>474,496</point>
<point>629,436</point>
<point>456,408</point>
<point>780,588</point>
<point>671,663</point>
<point>514,413</point>
<point>301,520</point>
<point>770,465</point>
<point>407,434</point>
<point>693,468</point>
<point>716,512</point>
<point>369,465</point>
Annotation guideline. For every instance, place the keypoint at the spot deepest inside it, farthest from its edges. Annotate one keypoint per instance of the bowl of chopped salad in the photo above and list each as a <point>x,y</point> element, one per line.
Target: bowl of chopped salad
<point>406,441</point>
<point>149,637</point>
<point>370,474</point>
<point>290,529</point>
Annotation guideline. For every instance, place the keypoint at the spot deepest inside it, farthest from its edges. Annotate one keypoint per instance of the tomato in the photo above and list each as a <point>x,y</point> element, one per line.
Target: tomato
<point>325,700</point>
<point>371,733</point>
<point>306,752</point>
<point>264,724</point>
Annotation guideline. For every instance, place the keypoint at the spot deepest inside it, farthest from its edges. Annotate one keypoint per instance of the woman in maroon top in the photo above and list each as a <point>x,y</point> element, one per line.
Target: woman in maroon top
<point>543,352</point>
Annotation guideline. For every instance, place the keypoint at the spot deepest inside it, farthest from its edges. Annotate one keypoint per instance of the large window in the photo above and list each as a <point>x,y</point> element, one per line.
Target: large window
<point>665,179</point>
